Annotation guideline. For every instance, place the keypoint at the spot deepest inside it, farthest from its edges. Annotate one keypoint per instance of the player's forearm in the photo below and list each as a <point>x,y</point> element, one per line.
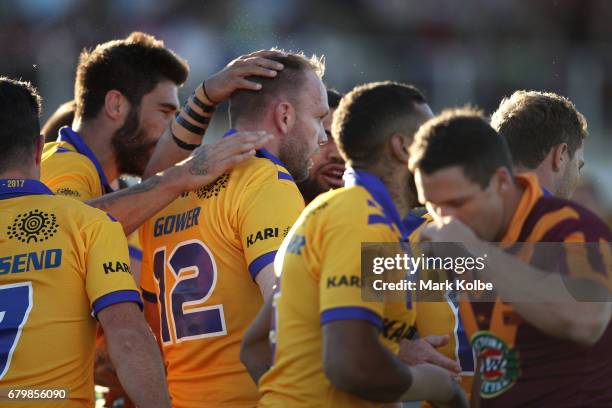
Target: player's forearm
<point>166,154</point>
<point>434,384</point>
<point>375,375</point>
<point>188,128</point>
<point>134,205</point>
<point>581,322</point>
<point>257,358</point>
<point>139,366</point>
<point>544,299</point>
<point>255,350</point>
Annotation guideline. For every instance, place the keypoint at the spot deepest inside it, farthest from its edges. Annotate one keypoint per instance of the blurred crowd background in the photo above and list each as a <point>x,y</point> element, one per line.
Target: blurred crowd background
<point>458,52</point>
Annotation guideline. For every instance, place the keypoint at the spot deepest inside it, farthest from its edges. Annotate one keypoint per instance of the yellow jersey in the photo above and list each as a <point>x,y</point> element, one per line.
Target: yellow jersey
<point>70,168</point>
<point>320,282</point>
<point>61,262</point>
<point>442,317</point>
<point>201,255</point>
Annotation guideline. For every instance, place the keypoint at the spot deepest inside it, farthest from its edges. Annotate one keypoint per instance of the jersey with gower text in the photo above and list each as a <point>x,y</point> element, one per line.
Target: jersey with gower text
<point>201,256</point>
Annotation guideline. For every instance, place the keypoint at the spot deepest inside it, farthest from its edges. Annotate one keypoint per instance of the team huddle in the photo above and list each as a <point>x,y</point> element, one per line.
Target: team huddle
<point>230,274</point>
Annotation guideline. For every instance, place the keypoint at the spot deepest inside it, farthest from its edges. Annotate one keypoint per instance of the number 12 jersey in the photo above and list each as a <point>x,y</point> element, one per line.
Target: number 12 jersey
<point>201,255</point>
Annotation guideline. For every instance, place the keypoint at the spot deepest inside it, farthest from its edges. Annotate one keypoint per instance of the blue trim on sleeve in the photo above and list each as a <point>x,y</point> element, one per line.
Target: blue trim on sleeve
<point>149,296</point>
<point>62,150</point>
<point>260,262</point>
<point>135,252</point>
<point>119,296</point>
<point>351,313</point>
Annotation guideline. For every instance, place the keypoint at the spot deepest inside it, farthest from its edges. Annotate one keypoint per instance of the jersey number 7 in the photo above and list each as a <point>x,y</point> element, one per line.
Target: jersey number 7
<point>15,306</point>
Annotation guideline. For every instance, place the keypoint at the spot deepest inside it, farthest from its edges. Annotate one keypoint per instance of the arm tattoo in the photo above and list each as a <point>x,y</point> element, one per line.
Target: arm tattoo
<point>199,163</point>
<point>104,202</point>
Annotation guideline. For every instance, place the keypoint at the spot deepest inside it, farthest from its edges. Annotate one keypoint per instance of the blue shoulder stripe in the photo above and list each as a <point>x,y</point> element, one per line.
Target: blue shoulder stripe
<point>351,313</point>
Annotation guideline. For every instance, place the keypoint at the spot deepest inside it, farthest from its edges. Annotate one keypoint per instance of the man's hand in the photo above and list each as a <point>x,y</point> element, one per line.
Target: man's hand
<point>221,85</point>
<point>208,162</point>
<point>448,229</point>
<point>135,355</point>
<point>423,350</point>
<point>104,372</point>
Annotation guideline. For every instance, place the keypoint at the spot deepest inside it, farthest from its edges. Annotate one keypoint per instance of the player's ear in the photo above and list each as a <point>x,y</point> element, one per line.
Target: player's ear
<point>504,179</point>
<point>284,117</point>
<point>399,148</point>
<point>560,155</point>
<point>116,106</point>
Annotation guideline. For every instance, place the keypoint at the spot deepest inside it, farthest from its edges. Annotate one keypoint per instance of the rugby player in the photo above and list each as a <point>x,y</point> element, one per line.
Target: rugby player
<point>63,266</point>
<point>327,165</point>
<point>208,256</point>
<point>554,349</point>
<point>126,97</point>
<point>545,134</point>
<point>331,348</point>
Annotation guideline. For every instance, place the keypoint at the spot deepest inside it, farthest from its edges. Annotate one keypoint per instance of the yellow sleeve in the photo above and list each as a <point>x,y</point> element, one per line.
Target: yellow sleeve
<point>266,214</point>
<point>72,175</point>
<point>109,279</point>
<point>340,272</point>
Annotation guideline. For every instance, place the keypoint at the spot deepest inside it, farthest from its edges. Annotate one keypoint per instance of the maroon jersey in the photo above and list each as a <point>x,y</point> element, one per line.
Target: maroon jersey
<point>518,365</point>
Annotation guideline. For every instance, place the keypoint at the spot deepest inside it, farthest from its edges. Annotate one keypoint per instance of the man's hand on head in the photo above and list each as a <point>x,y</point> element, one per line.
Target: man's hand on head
<point>220,86</point>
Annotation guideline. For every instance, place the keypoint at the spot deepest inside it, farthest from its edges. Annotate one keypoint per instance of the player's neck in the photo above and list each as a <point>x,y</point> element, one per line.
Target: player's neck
<point>13,174</point>
<point>273,146</point>
<point>545,176</point>
<point>398,190</point>
<point>97,136</point>
<point>396,182</point>
<point>512,200</point>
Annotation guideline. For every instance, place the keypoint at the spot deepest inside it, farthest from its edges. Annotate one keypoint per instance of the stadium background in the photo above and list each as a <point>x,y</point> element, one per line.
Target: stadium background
<point>457,52</point>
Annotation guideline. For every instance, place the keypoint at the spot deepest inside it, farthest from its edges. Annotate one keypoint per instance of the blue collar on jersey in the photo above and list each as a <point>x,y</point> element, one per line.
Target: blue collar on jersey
<point>66,134</point>
<point>546,193</point>
<point>11,188</point>
<point>263,153</point>
<point>379,192</point>
<point>412,222</point>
